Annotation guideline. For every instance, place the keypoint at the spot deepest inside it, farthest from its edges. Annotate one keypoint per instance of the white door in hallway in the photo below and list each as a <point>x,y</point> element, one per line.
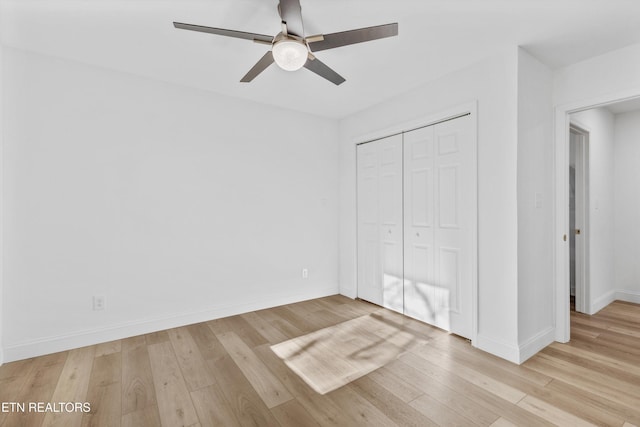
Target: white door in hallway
<point>439,215</point>
<point>380,276</point>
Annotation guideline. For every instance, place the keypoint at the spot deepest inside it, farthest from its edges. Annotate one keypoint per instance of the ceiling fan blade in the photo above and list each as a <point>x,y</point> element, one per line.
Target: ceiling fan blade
<point>361,35</point>
<point>260,66</point>
<point>291,14</point>
<point>324,71</point>
<point>223,32</point>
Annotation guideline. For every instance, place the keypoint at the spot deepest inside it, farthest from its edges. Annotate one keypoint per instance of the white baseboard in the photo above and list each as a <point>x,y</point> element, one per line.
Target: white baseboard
<point>628,296</point>
<point>602,302</point>
<point>498,348</point>
<point>536,343</point>
<point>58,343</point>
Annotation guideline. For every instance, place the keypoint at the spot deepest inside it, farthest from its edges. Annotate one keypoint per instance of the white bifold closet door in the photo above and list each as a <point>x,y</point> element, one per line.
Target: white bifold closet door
<point>380,264</point>
<point>416,210</point>
<point>438,225</point>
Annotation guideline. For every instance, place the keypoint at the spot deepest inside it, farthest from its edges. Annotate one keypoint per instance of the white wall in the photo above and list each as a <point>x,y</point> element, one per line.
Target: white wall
<point>535,221</point>
<point>493,84</point>
<point>627,206</point>
<point>176,204</point>
<point>600,124</point>
<point>606,77</point>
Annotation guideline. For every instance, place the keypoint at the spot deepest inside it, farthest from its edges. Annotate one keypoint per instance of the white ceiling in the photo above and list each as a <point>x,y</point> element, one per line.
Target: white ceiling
<point>436,38</point>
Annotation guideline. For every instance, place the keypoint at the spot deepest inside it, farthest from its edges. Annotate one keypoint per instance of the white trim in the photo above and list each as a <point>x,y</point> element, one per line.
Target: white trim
<point>498,348</point>
<point>536,343</point>
<point>459,110</point>
<point>561,220</point>
<point>418,122</point>
<point>77,339</point>
<point>628,296</point>
<point>601,302</point>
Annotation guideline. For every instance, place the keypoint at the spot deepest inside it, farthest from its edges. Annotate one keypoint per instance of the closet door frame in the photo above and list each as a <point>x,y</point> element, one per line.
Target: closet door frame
<point>471,109</point>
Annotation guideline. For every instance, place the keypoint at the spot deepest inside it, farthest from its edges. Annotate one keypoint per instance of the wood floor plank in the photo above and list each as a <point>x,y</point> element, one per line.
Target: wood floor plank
<point>441,414</point>
<point>246,404</point>
<point>603,349</point>
<point>422,373</point>
<point>552,413</point>
<point>359,408</point>
<point>390,404</point>
<point>576,404</point>
<point>39,385</point>
<point>320,407</point>
<point>461,350</point>
<point>622,372</point>
<point>156,337</point>
<point>192,364</point>
<point>132,343</point>
<point>272,334</point>
<point>401,389</point>
<point>303,308</point>
<point>146,417</point>
<point>286,328</point>
<point>108,347</point>
<point>212,408</point>
<point>599,384</point>
<point>138,390</point>
<point>293,414</point>
<point>105,392</point>
<point>13,375</point>
<point>208,344</point>
<point>590,406</point>
<point>298,321</point>
<point>240,327</point>
<point>502,422</point>
<point>270,389</point>
<point>72,386</point>
<point>456,400</point>
<point>174,402</point>
<point>500,389</point>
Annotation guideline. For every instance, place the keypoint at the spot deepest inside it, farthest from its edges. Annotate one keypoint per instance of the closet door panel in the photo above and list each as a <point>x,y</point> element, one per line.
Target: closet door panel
<point>391,222</point>
<point>419,224</point>
<point>380,274</point>
<point>454,186</point>
<point>369,271</point>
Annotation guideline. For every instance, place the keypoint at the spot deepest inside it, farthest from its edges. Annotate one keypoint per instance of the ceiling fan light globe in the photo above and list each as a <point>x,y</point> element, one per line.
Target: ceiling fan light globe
<point>290,55</point>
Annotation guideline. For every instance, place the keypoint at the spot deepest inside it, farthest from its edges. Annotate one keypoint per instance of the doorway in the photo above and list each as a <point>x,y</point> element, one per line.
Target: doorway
<point>566,125</point>
<point>578,217</point>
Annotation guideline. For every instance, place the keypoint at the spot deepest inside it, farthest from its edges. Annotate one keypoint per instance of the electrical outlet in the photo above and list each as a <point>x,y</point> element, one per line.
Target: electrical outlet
<point>305,273</point>
<point>98,302</point>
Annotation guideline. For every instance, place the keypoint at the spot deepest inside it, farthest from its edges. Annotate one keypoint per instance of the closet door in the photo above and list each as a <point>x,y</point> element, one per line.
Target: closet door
<point>419,236</point>
<point>380,275</point>
<point>439,213</point>
<point>455,184</point>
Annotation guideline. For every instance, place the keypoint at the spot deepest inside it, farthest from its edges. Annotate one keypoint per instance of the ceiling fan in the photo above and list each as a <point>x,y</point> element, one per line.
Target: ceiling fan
<point>291,50</point>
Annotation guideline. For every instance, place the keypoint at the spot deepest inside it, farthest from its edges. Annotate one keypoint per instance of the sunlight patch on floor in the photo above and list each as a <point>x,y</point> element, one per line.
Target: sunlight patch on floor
<point>332,357</point>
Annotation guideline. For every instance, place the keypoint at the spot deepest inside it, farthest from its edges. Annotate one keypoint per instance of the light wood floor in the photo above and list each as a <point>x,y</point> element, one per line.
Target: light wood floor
<point>223,373</point>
